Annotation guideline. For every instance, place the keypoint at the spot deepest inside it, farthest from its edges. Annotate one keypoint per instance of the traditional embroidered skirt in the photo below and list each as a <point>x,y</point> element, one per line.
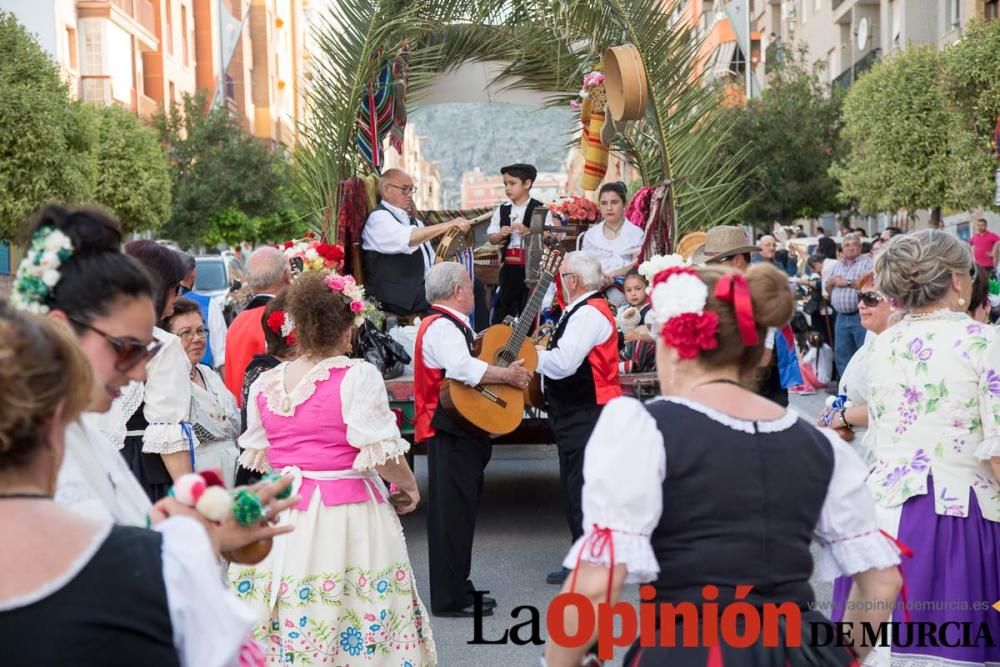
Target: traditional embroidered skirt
<point>955,567</point>
<point>345,594</point>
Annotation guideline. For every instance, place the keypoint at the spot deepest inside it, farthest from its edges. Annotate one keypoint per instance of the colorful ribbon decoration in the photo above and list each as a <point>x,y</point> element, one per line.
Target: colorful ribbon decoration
<point>734,289</point>
<point>189,436</point>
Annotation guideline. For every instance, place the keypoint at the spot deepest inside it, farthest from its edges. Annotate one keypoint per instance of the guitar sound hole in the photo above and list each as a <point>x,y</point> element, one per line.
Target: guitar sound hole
<point>504,358</point>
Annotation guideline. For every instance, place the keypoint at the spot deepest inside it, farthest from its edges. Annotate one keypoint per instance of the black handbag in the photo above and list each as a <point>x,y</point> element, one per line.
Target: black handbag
<point>381,351</point>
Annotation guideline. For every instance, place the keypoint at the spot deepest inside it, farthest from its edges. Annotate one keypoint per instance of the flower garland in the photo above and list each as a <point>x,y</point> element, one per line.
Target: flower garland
<point>282,324</point>
<point>354,294</point>
<point>315,256</point>
<point>38,273</point>
<point>679,297</point>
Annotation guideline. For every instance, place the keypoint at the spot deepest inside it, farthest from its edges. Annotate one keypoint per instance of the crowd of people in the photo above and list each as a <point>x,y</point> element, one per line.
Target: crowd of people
<point>128,403</point>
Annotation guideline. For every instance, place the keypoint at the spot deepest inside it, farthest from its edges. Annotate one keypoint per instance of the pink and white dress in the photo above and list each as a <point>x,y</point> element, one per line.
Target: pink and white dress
<point>339,590</point>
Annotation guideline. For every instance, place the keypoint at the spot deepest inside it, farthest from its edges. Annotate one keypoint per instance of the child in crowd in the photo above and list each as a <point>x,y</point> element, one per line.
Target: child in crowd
<point>638,348</point>
<point>508,229</point>
<point>816,364</point>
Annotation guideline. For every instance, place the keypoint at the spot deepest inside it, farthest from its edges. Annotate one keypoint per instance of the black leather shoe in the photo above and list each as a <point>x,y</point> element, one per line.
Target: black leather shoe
<point>488,602</point>
<point>466,612</point>
<point>557,577</point>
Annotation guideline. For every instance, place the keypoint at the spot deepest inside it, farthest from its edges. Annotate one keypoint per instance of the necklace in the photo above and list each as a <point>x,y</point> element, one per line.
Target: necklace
<point>24,496</point>
<point>716,381</point>
<point>941,313</point>
<point>617,229</point>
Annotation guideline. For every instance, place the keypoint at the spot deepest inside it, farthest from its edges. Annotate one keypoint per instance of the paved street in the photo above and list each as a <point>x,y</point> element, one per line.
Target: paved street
<point>520,537</point>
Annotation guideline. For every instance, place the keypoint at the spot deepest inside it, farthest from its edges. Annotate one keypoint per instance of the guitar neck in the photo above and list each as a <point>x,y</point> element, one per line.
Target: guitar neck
<point>527,318</point>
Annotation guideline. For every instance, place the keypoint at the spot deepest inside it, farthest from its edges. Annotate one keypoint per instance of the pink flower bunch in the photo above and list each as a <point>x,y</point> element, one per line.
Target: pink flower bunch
<point>577,210</point>
<point>353,293</point>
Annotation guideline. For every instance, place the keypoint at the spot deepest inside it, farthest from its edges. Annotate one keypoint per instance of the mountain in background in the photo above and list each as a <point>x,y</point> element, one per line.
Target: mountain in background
<point>461,137</point>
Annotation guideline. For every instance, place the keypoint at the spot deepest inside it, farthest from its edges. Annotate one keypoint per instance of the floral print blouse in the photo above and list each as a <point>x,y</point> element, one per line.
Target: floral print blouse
<point>934,408</point>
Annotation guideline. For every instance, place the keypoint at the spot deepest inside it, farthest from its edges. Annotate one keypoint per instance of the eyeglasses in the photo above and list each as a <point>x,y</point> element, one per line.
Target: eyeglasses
<point>130,351</point>
<point>405,189</point>
<point>974,272</point>
<point>870,299</point>
<point>564,276</point>
<point>189,334</point>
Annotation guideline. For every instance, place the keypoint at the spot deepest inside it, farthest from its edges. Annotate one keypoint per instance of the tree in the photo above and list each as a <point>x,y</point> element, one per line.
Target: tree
<point>46,140</point>
<point>218,171</point>
<point>907,145</point>
<point>133,178</point>
<point>787,140</point>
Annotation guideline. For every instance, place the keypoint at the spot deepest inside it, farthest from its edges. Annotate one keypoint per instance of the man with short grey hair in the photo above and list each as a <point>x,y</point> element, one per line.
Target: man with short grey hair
<point>456,458</point>
<point>579,372</point>
<point>268,274</point>
<point>841,286</point>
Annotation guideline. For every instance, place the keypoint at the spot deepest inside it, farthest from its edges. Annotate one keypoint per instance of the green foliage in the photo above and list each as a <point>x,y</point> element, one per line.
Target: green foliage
<point>218,171</point>
<point>232,226</point>
<point>47,143</point>
<point>133,179</point>
<point>788,139</point>
<point>907,145</point>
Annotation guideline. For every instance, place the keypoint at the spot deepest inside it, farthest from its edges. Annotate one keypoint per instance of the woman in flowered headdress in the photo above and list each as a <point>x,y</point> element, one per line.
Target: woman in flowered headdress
<point>341,585</point>
<point>712,484</point>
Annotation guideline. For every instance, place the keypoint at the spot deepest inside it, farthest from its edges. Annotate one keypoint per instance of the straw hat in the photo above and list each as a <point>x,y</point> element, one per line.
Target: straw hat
<point>625,82</point>
<point>722,242</point>
<point>691,242</point>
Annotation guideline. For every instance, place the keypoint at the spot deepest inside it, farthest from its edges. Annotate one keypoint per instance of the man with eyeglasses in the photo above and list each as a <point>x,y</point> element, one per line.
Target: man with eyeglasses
<point>842,287</point>
<point>396,247</point>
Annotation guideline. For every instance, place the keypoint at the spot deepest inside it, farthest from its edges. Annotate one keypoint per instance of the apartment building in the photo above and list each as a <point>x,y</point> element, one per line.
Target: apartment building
<point>426,175</point>
<point>849,36</point>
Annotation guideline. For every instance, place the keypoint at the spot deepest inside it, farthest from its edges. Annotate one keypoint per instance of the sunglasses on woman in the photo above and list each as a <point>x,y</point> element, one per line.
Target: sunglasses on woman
<point>129,351</point>
<point>870,299</point>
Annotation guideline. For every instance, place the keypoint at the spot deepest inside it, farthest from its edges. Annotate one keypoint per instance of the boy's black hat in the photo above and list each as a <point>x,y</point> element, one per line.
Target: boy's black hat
<point>526,172</point>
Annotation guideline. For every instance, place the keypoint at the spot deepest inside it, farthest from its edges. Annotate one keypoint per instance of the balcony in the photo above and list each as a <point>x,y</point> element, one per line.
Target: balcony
<point>136,16</point>
<point>96,89</point>
<point>851,74</point>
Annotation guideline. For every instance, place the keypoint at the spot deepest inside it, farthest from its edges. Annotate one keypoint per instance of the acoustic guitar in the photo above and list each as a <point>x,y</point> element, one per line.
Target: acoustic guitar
<point>497,409</point>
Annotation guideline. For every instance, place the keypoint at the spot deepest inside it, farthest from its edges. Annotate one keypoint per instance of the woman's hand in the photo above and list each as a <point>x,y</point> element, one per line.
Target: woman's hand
<point>413,493</point>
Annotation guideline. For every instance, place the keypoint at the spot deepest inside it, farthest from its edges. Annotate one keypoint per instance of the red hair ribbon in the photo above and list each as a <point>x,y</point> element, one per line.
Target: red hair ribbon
<point>906,552</point>
<point>733,288</point>
<point>597,542</point>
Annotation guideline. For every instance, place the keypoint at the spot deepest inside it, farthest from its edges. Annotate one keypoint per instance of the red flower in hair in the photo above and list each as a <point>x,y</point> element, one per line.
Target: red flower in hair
<point>275,321</point>
<point>289,244</point>
<point>666,274</point>
<point>330,252</point>
<point>691,333</point>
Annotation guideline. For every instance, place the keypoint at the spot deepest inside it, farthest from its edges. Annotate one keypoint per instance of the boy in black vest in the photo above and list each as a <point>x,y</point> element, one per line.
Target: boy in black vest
<point>508,228</point>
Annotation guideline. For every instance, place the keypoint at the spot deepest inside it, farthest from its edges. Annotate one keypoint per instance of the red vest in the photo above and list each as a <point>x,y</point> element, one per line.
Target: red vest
<point>603,359</point>
<point>244,341</point>
<point>426,385</point>
<point>596,381</point>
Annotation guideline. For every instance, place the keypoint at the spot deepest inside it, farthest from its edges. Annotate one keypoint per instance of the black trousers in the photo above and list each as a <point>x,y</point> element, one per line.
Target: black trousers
<point>572,431</point>
<point>513,292</point>
<point>455,468</point>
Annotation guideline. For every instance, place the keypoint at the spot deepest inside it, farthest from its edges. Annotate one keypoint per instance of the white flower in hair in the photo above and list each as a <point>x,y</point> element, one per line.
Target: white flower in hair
<point>657,263</point>
<point>681,294</point>
<point>51,277</point>
<point>288,326</point>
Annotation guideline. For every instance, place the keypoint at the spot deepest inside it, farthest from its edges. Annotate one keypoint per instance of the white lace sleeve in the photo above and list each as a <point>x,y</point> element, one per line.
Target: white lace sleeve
<point>254,440</point>
<point>210,623</point>
<point>623,473</point>
<point>849,538</point>
<point>371,425</point>
<point>168,399</point>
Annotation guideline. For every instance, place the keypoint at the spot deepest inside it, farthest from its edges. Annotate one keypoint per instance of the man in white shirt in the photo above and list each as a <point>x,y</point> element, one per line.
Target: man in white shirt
<point>396,247</point>
<point>456,458</point>
<point>580,375</point>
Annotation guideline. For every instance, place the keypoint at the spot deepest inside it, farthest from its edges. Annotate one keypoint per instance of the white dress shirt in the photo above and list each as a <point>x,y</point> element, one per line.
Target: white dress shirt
<point>613,254</point>
<point>444,347</point>
<point>588,329</point>
<point>516,217</point>
<point>388,231</point>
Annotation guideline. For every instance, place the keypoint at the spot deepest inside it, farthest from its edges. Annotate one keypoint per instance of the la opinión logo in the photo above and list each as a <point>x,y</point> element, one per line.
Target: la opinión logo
<point>738,624</point>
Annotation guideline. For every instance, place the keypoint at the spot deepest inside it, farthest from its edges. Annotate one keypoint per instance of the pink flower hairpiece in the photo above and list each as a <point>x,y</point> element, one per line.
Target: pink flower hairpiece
<point>352,292</point>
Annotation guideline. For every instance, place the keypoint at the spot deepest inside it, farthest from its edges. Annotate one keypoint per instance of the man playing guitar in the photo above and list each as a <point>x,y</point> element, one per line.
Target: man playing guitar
<point>580,375</point>
<point>456,458</point>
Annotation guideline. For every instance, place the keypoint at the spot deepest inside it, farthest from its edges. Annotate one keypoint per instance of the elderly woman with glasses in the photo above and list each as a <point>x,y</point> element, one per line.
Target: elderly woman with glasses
<point>214,416</point>
<point>876,316</point>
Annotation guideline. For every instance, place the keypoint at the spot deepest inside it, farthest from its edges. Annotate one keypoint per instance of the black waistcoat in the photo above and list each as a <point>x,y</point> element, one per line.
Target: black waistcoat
<point>576,392</point>
<point>505,210</point>
<point>396,281</point>
<point>738,508</point>
<point>113,613</point>
<point>440,420</point>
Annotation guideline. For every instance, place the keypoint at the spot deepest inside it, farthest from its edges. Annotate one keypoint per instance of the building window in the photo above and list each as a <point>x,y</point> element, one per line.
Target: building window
<point>954,14</point>
<point>992,9</point>
<point>184,35</point>
<point>71,46</point>
<point>817,5</point>
<point>173,94</point>
<point>168,28</point>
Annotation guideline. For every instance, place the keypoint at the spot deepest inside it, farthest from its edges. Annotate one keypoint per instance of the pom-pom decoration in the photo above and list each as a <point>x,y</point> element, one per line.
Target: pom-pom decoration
<point>275,476</point>
<point>247,509</point>
<point>212,478</point>
<point>189,488</point>
<point>215,503</point>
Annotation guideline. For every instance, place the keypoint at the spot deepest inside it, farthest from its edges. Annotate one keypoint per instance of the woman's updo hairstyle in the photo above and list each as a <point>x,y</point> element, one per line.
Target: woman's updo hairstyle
<point>275,343</point>
<point>41,366</point>
<point>321,315</point>
<point>97,273</point>
<point>618,187</point>
<point>915,269</point>
<point>773,306</point>
<point>164,264</point>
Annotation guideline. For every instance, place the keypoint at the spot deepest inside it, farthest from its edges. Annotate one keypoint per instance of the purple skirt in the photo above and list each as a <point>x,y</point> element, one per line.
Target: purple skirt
<point>955,567</point>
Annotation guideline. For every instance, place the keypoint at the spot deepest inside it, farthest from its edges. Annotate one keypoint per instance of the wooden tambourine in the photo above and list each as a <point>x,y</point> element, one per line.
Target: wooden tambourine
<point>452,243</point>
